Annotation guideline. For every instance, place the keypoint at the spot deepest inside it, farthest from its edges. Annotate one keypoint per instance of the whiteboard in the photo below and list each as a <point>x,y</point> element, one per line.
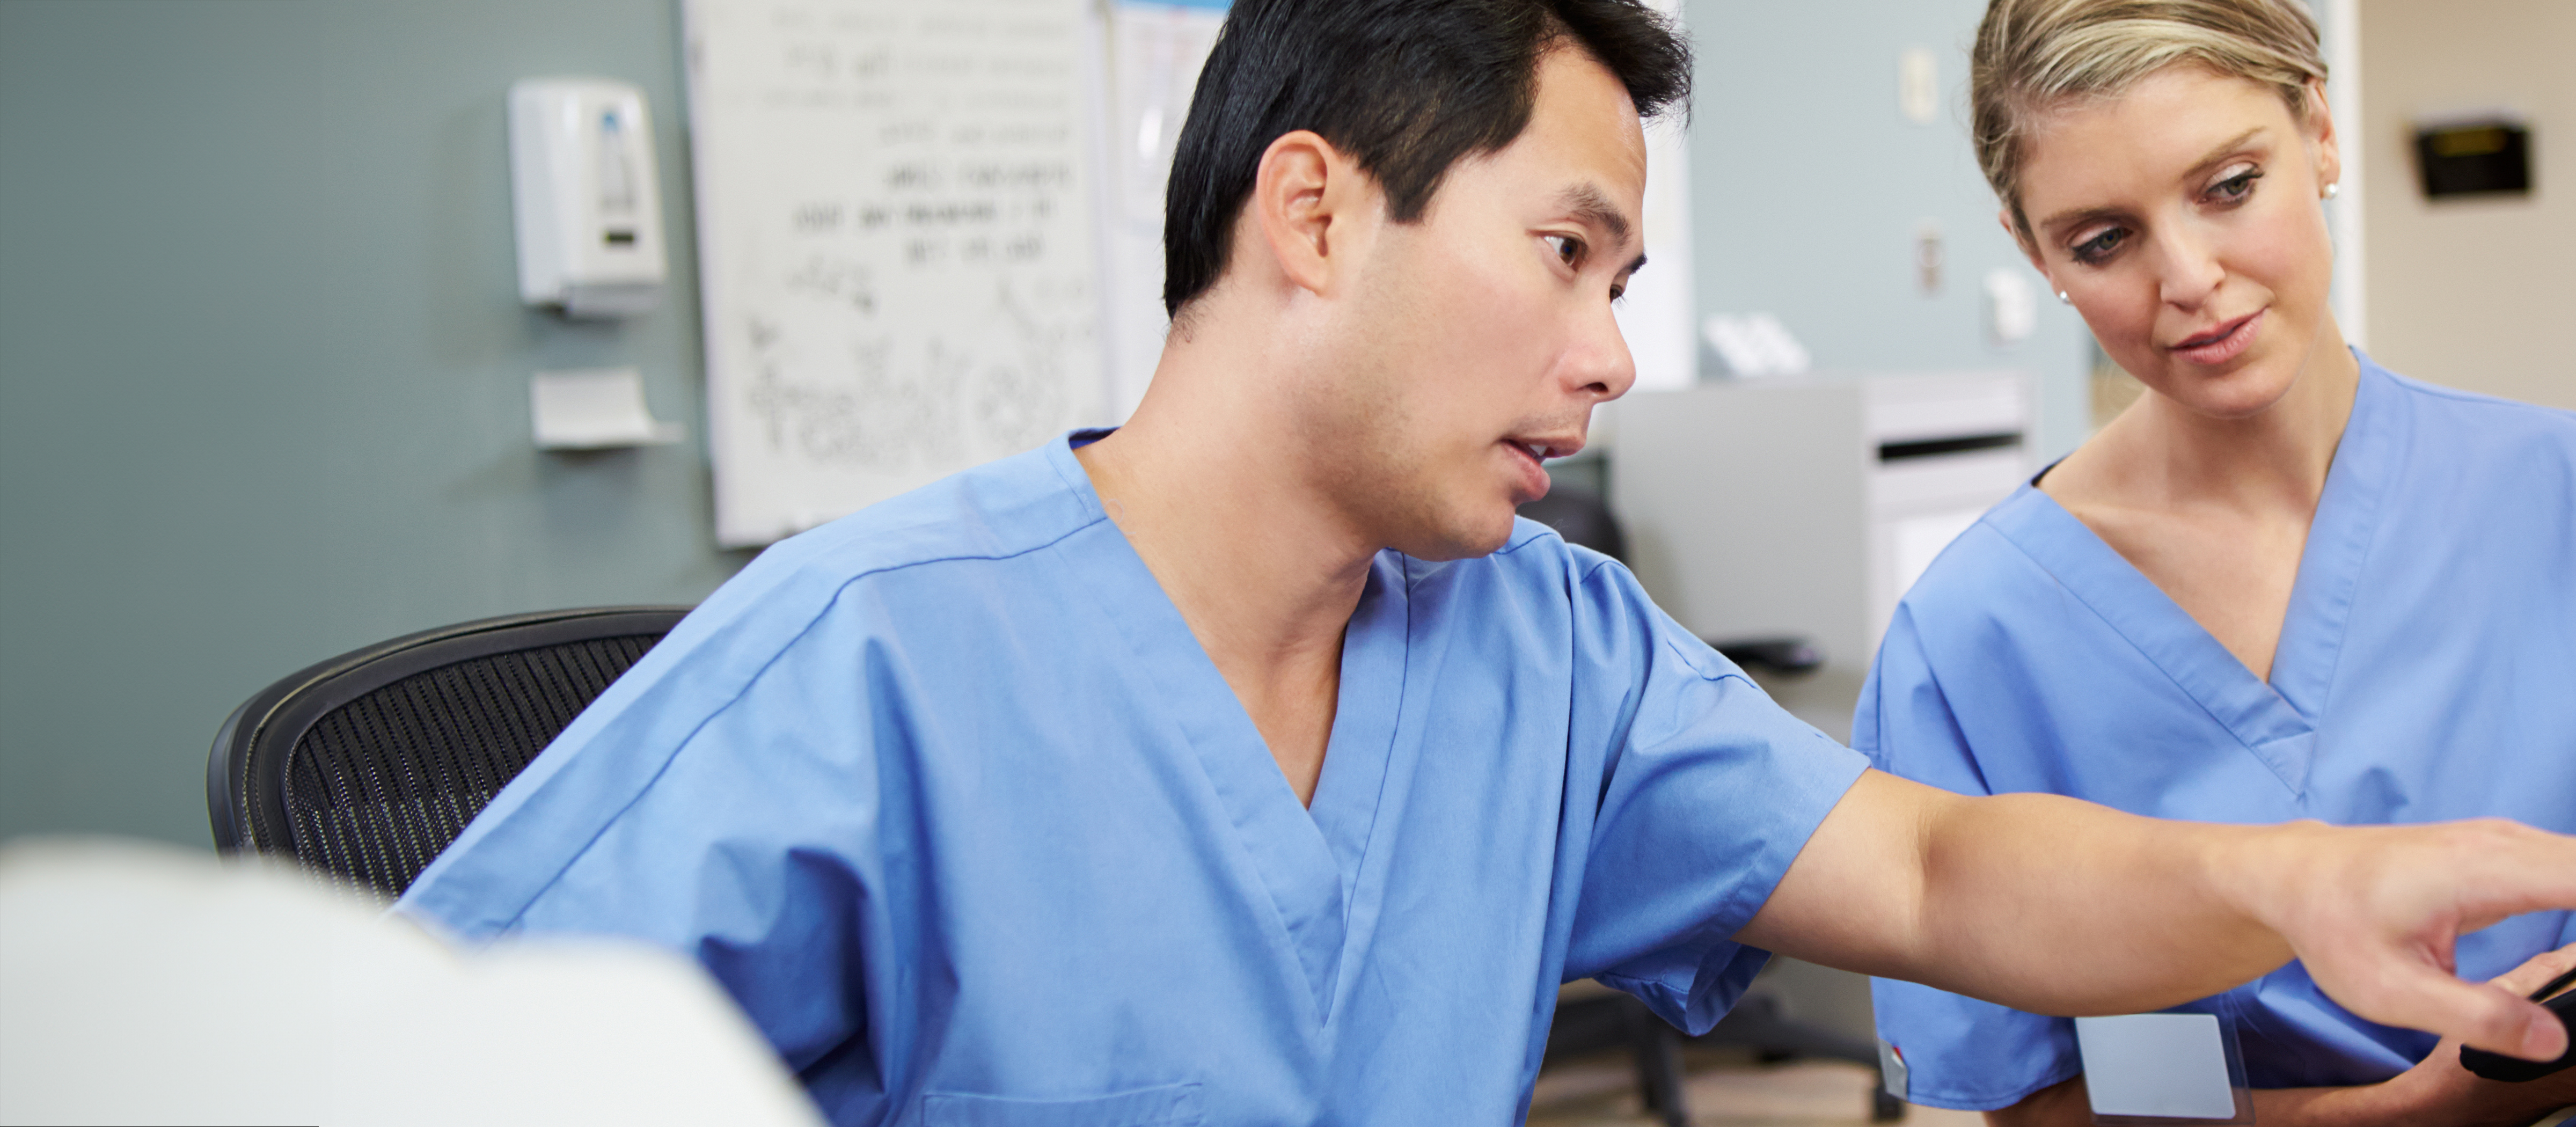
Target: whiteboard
<point>929,235</point>
<point>895,244</point>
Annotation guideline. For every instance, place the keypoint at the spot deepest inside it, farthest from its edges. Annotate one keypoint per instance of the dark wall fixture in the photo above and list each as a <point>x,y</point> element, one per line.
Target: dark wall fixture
<point>2486,157</point>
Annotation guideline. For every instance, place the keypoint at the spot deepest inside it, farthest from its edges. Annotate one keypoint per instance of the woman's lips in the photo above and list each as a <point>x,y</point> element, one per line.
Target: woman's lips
<point>2227,343</point>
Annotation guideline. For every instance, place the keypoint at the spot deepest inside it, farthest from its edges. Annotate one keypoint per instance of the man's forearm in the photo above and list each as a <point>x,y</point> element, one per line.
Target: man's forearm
<point>2112,913</point>
<point>2058,906</point>
<point>2041,903</point>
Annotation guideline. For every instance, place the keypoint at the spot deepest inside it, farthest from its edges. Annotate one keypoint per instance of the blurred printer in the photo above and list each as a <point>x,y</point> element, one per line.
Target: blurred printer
<point>1806,507</point>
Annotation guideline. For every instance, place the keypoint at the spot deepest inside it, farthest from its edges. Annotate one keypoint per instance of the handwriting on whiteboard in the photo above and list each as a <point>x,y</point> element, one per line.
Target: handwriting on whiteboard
<point>895,242</point>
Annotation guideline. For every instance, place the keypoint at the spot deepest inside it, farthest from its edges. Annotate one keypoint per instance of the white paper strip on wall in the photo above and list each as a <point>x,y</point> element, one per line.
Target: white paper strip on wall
<point>594,409</point>
<point>895,245</point>
<point>1155,53</point>
<point>1659,316</point>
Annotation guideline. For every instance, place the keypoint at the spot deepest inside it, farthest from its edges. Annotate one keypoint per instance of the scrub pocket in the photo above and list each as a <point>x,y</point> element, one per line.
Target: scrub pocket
<point>1172,1105</point>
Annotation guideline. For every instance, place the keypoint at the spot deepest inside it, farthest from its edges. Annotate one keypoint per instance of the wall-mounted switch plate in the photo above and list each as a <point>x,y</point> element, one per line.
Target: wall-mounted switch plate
<point>1918,85</point>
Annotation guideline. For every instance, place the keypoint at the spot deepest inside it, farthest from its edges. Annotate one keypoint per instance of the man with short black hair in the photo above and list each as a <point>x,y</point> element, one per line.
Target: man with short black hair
<point>1250,764</point>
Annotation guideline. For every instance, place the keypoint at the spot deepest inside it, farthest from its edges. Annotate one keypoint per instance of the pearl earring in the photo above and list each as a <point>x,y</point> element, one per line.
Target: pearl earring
<point>2333,190</point>
<point>2061,296</point>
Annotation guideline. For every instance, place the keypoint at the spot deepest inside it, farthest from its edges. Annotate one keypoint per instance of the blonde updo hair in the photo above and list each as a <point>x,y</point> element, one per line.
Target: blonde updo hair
<point>2033,56</point>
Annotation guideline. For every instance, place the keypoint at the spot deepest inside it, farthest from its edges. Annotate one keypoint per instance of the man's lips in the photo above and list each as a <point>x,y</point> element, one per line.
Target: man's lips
<point>1531,455</point>
<point>1543,448</point>
<point>2223,343</point>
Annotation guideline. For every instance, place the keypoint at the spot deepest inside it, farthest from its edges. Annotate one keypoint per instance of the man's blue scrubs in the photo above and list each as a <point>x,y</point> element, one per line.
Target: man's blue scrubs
<point>950,800</point>
<point>2426,671</point>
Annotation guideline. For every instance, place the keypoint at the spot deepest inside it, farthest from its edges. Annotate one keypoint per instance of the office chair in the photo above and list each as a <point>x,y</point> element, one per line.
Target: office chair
<point>1589,1017</point>
<point>366,766</point>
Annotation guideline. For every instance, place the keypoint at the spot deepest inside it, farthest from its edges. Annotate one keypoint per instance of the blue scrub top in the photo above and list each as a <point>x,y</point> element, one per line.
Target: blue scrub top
<point>2426,671</point>
<point>949,798</point>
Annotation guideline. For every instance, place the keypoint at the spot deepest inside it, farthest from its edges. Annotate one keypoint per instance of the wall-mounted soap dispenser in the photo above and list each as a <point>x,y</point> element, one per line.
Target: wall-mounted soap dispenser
<point>589,211</point>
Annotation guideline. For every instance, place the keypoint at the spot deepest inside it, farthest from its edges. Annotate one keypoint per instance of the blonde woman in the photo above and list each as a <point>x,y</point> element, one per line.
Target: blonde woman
<point>2287,583</point>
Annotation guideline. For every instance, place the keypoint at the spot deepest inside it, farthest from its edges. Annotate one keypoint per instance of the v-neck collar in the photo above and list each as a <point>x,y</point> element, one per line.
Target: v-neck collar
<point>2275,719</point>
<point>2371,456</point>
<point>1308,858</point>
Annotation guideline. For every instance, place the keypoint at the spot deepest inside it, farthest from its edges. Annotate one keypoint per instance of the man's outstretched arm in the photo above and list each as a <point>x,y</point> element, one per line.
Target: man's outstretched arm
<point>2059,906</point>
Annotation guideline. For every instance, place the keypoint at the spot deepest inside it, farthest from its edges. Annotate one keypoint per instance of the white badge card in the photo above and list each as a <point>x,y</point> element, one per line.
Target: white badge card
<point>2165,1068</point>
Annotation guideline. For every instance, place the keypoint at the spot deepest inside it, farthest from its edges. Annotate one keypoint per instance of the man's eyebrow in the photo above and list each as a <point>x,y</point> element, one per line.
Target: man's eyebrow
<point>2216,154</point>
<point>1587,205</point>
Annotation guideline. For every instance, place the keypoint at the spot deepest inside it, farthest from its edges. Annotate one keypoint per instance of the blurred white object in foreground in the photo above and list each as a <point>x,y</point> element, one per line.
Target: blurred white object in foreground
<point>147,984</point>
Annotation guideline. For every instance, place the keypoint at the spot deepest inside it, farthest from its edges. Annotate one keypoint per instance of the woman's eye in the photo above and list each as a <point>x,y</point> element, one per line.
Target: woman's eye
<point>1569,250</point>
<point>2235,187</point>
<point>2100,246</point>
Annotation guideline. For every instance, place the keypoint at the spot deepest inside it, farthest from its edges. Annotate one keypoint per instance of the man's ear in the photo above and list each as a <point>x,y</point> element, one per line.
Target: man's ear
<point>1303,196</point>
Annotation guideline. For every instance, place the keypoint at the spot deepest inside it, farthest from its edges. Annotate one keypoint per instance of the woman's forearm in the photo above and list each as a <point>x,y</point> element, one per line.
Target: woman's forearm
<point>2068,1105</point>
<point>2422,1097</point>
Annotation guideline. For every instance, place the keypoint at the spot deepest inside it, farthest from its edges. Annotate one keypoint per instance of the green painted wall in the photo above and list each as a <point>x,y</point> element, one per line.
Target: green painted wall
<point>1808,185</point>
<point>263,371</point>
<point>263,374</point>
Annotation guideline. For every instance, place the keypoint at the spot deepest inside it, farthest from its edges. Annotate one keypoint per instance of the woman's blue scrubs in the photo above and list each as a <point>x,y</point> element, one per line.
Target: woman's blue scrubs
<point>2426,671</point>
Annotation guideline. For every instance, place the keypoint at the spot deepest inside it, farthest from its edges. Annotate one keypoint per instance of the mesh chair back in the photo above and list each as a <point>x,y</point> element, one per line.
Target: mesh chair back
<point>367,765</point>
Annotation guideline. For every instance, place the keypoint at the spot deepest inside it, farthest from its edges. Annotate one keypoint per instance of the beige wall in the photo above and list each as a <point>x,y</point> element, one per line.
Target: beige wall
<point>2477,293</point>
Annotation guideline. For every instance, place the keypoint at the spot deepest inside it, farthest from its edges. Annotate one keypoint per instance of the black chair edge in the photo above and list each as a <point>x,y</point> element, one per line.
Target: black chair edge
<point>314,691</point>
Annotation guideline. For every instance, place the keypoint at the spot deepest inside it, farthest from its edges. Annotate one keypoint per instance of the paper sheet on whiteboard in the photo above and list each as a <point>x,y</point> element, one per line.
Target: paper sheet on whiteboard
<point>895,244</point>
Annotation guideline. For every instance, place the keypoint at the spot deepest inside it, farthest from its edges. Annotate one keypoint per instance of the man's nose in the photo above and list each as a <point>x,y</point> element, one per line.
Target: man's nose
<point>1602,368</point>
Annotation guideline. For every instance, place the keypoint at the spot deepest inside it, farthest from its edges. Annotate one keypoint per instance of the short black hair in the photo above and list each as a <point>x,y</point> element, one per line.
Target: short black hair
<point>1407,87</point>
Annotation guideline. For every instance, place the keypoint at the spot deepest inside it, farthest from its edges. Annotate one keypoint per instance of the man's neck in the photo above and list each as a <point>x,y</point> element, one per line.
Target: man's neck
<point>1212,487</point>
